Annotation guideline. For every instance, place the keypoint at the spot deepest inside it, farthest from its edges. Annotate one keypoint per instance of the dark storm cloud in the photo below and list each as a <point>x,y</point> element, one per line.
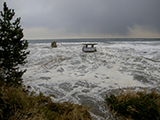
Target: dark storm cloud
<point>90,16</point>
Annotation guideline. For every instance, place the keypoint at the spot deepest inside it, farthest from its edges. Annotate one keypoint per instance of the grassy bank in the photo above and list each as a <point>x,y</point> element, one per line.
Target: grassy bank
<point>135,105</point>
<point>16,104</point>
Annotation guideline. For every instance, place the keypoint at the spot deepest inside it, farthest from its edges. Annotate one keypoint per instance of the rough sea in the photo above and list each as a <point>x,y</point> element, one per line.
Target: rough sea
<point>72,75</point>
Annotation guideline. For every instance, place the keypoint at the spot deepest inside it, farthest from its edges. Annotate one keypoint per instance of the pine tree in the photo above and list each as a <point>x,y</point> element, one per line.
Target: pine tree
<point>12,48</point>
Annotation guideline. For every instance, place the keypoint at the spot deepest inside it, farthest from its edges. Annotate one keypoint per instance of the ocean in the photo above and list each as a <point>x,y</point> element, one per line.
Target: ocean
<point>72,75</point>
<point>103,40</point>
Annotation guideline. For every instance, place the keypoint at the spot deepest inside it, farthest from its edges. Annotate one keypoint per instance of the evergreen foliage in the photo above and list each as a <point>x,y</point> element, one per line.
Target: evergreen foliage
<point>12,48</point>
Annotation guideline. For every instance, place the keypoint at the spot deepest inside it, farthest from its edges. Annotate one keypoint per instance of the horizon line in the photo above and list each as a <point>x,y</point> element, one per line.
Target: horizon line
<point>87,38</point>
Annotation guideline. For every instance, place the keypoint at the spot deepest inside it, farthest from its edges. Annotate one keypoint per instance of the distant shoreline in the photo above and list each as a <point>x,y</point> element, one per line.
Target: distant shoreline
<point>104,40</point>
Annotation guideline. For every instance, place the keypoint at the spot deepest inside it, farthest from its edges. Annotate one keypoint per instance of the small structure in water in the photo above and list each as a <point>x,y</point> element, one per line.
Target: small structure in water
<point>89,47</point>
<point>53,44</point>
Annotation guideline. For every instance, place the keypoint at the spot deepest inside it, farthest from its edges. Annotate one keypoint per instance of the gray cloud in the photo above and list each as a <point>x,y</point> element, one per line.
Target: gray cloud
<point>88,16</point>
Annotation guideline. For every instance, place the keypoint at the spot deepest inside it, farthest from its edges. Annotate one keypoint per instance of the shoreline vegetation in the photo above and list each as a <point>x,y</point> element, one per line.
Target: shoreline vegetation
<point>131,105</point>
<point>16,103</point>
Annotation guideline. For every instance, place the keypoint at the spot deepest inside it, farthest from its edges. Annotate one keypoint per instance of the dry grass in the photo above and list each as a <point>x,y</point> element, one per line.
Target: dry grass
<point>15,104</point>
<point>135,105</point>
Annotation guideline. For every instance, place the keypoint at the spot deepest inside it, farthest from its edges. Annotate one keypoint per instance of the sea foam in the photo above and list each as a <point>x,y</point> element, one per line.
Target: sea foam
<point>85,78</point>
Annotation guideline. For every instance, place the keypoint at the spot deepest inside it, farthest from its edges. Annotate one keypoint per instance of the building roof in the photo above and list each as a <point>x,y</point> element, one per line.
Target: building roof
<point>90,44</point>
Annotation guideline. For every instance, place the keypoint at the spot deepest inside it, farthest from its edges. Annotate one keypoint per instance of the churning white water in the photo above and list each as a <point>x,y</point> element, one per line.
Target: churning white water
<point>86,78</point>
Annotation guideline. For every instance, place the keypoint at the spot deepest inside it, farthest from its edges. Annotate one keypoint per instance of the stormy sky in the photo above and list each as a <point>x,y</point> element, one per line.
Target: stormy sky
<point>87,18</point>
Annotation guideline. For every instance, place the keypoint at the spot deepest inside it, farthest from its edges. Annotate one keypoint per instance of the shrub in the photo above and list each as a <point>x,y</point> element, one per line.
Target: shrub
<point>16,104</point>
<point>135,105</point>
